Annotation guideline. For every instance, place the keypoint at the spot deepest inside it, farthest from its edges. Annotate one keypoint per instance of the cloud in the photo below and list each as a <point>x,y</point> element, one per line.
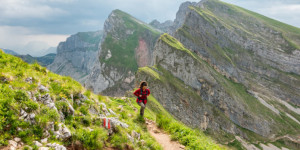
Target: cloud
<point>51,21</point>
<point>16,9</point>
<point>23,41</point>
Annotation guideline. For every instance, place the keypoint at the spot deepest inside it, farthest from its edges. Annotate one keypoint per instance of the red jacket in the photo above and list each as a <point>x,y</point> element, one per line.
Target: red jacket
<point>144,95</point>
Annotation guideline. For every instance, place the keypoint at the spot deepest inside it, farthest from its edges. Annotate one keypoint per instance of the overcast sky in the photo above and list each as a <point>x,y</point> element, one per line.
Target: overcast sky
<point>29,26</point>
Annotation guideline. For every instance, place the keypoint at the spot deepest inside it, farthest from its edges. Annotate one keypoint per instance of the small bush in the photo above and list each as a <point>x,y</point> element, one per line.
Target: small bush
<point>20,96</point>
<point>162,121</point>
<point>91,139</point>
<point>84,110</point>
<point>31,105</point>
<point>87,93</point>
<point>20,75</point>
<point>86,121</point>
<point>119,140</point>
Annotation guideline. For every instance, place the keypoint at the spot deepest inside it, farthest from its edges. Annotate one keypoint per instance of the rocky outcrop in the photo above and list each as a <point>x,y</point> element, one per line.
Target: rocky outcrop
<point>164,26</point>
<point>200,96</point>
<point>77,55</point>
<point>127,44</point>
<point>244,46</point>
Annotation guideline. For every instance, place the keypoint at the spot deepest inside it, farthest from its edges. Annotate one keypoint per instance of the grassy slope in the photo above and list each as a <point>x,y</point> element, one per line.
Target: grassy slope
<point>123,49</point>
<point>290,33</point>
<point>282,124</point>
<point>214,13</point>
<point>12,100</point>
<point>241,21</point>
<point>191,138</point>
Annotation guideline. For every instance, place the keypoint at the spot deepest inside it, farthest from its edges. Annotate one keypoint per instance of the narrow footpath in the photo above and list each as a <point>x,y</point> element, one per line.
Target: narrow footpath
<point>162,138</point>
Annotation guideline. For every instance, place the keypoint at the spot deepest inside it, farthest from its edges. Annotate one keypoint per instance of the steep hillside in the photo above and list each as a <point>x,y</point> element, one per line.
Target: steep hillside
<point>127,44</point>
<point>261,53</point>
<point>38,107</point>
<point>197,94</point>
<point>42,110</point>
<point>77,55</point>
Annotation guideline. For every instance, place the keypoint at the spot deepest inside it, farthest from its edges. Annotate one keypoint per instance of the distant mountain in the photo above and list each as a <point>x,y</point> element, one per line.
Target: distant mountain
<point>165,26</point>
<point>127,44</point>
<point>8,51</point>
<point>43,60</point>
<point>77,55</point>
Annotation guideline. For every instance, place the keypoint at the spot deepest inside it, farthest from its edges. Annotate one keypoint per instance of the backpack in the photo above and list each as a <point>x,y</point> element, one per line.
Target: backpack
<point>143,94</point>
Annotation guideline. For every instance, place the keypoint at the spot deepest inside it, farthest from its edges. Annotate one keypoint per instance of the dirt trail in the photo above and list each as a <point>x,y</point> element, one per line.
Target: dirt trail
<point>162,138</point>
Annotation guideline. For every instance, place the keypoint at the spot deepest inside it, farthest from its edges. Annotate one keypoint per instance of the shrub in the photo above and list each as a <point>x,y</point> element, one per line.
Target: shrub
<point>162,121</point>
<point>119,140</point>
<point>86,121</point>
<point>91,139</point>
<point>38,131</point>
<point>84,110</point>
<point>87,93</point>
<point>20,75</point>
<point>20,96</point>
<point>31,105</point>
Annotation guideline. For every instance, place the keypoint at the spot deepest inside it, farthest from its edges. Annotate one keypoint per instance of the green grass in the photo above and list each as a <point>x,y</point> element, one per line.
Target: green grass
<point>229,14</point>
<point>123,48</point>
<point>237,145</point>
<point>280,123</point>
<point>171,41</point>
<point>186,136</point>
<point>13,97</point>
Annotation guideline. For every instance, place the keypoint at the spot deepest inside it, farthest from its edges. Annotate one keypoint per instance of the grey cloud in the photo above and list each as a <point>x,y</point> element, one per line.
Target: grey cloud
<point>60,18</point>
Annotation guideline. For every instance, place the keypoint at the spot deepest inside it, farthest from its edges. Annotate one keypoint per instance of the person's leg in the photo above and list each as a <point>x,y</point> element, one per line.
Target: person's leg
<point>142,108</point>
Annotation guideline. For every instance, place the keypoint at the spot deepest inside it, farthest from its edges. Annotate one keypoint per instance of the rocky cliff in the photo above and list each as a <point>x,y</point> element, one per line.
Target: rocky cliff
<point>127,44</point>
<point>196,93</point>
<point>257,51</point>
<point>164,26</point>
<point>77,55</point>
<point>243,63</point>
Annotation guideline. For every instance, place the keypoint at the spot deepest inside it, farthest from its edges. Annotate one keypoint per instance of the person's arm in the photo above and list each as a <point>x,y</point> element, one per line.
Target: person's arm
<point>137,93</point>
<point>148,92</point>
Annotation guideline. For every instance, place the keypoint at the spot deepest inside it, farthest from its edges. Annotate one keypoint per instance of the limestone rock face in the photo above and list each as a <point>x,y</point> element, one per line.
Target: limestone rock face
<point>127,44</point>
<point>164,26</point>
<point>258,53</point>
<point>77,55</point>
<point>200,95</point>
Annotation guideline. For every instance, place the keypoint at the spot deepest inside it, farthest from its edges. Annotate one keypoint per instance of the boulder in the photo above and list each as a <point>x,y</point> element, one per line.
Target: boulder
<point>63,132</point>
<point>45,140</point>
<point>42,88</point>
<point>16,139</point>
<point>56,146</point>
<point>29,80</point>
<point>115,122</point>
<point>36,143</point>
<point>13,143</point>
